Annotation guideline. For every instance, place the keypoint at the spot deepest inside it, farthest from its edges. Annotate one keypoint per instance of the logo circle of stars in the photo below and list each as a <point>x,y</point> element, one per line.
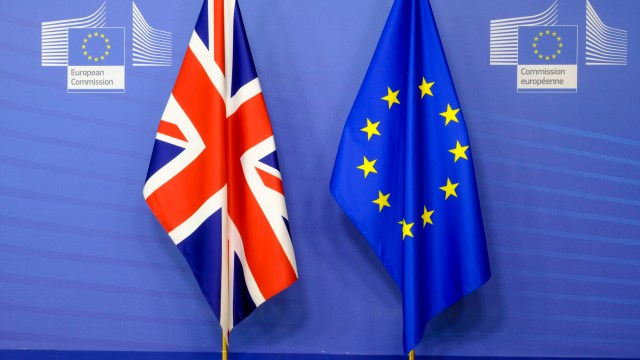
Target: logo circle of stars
<point>552,35</point>
<point>449,115</point>
<point>101,39</point>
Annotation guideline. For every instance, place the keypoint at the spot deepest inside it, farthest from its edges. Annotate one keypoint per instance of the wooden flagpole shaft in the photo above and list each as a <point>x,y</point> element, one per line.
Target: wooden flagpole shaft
<point>225,348</point>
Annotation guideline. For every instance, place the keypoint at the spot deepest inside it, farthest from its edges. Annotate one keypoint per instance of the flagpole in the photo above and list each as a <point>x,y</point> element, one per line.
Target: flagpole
<point>412,355</point>
<point>225,352</point>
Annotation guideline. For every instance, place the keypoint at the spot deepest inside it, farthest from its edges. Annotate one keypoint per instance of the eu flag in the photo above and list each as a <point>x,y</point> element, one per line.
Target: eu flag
<point>96,46</point>
<point>404,171</point>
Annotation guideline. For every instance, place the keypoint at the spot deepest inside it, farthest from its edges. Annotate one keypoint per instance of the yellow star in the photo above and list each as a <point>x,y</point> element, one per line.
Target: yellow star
<point>106,40</point>
<point>371,129</point>
<point>89,36</point>
<point>534,45</point>
<point>535,51</point>
<point>425,87</point>
<point>536,38</point>
<point>558,51</point>
<point>426,217</point>
<point>541,34</point>
<point>85,40</point>
<point>459,152</point>
<point>554,33</point>
<point>84,46</point>
<point>546,58</point>
<point>406,229</point>
<point>382,201</point>
<point>450,114</point>
<point>449,189</point>
<point>95,59</point>
<point>108,46</point>
<point>540,56</point>
<point>95,34</point>
<point>106,53</point>
<point>560,45</point>
<point>392,97</point>
<point>101,57</point>
<point>85,53</point>
<point>102,36</point>
<point>367,167</point>
<point>553,56</point>
<point>90,57</point>
<point>559,38</point>
<point>547,32</point>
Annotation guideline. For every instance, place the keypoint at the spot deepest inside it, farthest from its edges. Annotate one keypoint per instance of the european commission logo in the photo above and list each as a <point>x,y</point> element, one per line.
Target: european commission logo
<point>95,60</point>
<point>94,54</point>
<point>546,54</point>
<point>547,58</point>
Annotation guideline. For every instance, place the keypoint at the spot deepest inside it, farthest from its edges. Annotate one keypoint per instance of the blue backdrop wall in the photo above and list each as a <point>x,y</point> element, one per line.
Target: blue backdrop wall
<point>85,266</point>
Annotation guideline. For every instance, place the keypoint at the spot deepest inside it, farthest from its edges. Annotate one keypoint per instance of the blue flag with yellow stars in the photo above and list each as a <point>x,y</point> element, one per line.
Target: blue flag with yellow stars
<point>404,172</point>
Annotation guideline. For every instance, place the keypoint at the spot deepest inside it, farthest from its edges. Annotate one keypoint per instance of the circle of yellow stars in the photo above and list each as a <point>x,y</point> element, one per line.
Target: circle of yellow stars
<point>458,151</point>
<point>539,37</point>
<point>93,57</point>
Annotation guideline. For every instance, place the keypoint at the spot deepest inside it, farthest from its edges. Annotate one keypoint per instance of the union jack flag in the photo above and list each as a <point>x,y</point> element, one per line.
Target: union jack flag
<point>213,181</point>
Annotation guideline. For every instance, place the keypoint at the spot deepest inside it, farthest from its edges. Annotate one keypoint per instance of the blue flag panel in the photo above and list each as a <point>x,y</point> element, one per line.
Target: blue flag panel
<point>404,172</point>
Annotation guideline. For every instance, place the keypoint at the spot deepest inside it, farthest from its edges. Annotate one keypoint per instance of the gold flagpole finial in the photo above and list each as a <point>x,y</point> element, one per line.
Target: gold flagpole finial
<point>412,355</point>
